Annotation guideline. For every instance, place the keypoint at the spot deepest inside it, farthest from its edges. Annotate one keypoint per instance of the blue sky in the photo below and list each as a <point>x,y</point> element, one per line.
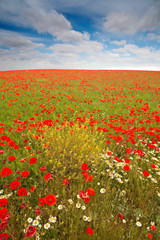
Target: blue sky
<point>73,34</point>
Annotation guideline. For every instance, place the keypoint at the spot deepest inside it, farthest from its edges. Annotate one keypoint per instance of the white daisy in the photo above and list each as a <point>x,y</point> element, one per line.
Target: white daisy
<point>83,207</point>
<point>85,218</point>
<point>35,223</point>
<point>53,219</point>
<point>47,225</point>
<point>139,224</point>
<point>29,220</point>
<point>78,205</point>
<point>60,207</point>
<point>70,201</point>
<point>102,190</point>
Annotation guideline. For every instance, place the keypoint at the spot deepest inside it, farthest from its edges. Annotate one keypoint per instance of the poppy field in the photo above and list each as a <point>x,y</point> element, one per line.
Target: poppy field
<point>79,155</point>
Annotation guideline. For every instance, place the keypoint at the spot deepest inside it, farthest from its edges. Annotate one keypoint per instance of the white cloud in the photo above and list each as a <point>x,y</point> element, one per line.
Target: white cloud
<point>30,14</point>
<point>123,22</point>
<point>153,36</point>
<point>119,43</point>
<point>16,41</point>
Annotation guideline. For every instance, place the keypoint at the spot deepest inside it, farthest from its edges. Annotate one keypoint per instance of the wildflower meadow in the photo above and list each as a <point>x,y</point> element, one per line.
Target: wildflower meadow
<point>79,155</point>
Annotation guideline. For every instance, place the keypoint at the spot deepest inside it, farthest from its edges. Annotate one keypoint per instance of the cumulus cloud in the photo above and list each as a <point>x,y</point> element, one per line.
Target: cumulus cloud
<point>16,41</point>
<point>122,22</point>
<point>31,14</point>
<point>153,36</point>
<point>119,43</point>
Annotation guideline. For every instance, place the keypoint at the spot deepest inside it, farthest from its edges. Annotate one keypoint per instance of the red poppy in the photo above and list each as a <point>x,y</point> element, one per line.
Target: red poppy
<point>145,173</point>
<point>150,236</point>
<point>3,202</point>
<point>120,216</point>
<point>65,181</point>
<point>6,218</point>
<point>153,227</point>
<point>47,177</point>
<point>23,205</point>
<point>90,192</point>
<point>3,212</point>
<point>15,184</point>
<point>127,160</point>
<point>30,231</point>
<point>3,225</point>
<point>25,173</point>
<point>128,150</point>
<point>22,192</point>
<point>88,177</point>
<point>32,189</point>
<point>38,211</point>
<point>1,151</point>
<point>87,200</point>
<point>50,199</point>
<point>6,171</point>
<point>43,168</point>
<point>126,168</point>
<point>33,160</point>
<point>84,166</point>
<point>12,158</point>
<point>41,202</point>
<point>154,166</point>
<point>4,236</point>
<point>11,143</point>
<point>89,231</point>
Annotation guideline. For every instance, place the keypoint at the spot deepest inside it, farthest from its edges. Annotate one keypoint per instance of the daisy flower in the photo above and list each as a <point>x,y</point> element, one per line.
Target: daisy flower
<point>139,224</point>
<point>53,219</point>
<point>29,220</point>
<point>102,190</point>
<point>47,225</point>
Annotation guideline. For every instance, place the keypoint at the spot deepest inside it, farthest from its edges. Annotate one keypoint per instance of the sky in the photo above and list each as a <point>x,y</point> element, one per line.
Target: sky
<point>74,34</point>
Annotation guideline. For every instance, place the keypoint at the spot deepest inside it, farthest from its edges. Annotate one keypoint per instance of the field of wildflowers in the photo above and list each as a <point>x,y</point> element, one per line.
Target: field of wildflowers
<point>79,155</point>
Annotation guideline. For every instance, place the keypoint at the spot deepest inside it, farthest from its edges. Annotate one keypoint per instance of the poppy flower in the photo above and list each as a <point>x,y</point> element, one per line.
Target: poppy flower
<point>23,205</point>
<point>12,158</point>
<point>128,150</point>
<point>30,231</point>
<point>154,166</point>
<point>47,177</point>
<point>87,200</point>
<point>90,192</point>
<point>41,202</point>
<point>38,211</point>
<point>43,168</point>
<point>15,184</point>
<point>6,218</point>
<point>145,173</point>
<point>33,160</point>
<point>3,202</point>
<point>24,174</point>
<point>6,171</point>
<point>126,168</point>
<point>4,236</point>
<point>65,181</point>
<point>50,199</point>
<point>153,227</point>
<point>3,225</point>
<point>3,212</point>
<point>150,236</point>
<point>22,192</point>
<point>89,231</point>
<point>88,177</point>
<point>84,166</point>
<point>127,160</point>
<point>120,216</point>
<point>32,189</point>
<point>1,151</point>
